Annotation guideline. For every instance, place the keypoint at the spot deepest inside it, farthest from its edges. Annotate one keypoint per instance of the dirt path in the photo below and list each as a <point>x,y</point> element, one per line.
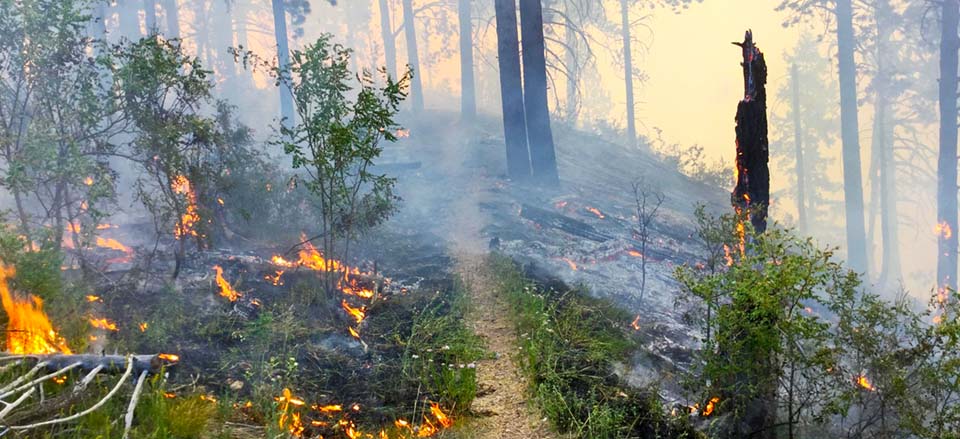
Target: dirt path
<point>501,399</point>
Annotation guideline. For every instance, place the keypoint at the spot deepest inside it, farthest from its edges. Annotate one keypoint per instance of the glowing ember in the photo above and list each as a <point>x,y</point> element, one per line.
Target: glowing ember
<point>276,279</point>
<point>88,181</point>
<point>596,212</point>
<point>181,186</point>
<point>329,408</point>
<point>92,298</point>
<point>708,410</point>
<point>226,290</point>
<point>402,133</point>
<point>943,229</point>
<point>636,323</point>
<point>573,265</point>
<point>29,331</point>
<point>862,381</point>
<point>103,323</point>
<point>560,204</point>
<point>143,326</point>
<point>635,254</point>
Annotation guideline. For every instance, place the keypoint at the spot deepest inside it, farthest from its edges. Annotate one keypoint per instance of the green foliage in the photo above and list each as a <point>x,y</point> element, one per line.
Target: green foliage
<point>786,323</point>
<point>337,137</point>
<point>568,346</point>
<point>37,267</point>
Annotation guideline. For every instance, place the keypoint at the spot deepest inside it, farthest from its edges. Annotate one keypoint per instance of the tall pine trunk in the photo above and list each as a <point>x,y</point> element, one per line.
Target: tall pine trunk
<point>850,133</point>
<point>947,165</point>
<point>511,91</point>
<point>150,15</point>
<point>413,56</point>
<point>798,144</point>
<point>543,159</point>
<point>389,42</point>
<point>240,22</point>
<point>129,19</point>
<point>889,214</point>
<point>468,92</point>
<point>573,67</point>
<point>171,13</point>
<point>283,57</point>
<point>628,72</point>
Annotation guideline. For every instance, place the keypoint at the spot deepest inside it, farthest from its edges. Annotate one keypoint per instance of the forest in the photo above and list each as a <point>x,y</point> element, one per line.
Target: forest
<point>479,219</point>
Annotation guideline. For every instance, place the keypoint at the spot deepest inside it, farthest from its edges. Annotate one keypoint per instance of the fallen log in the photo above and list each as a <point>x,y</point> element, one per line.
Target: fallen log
<point>546,218</point>
<point>106,363</point>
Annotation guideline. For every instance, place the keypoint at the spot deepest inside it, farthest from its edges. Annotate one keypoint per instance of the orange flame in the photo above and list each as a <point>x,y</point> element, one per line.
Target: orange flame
<point>636,323</point>
<point>226,290</point>
<point>635,254</point>
<point>103,323</point>
<point>864,382</point>
<point>92,298</point>
<point>29,331</point>
<point>290,421</point>
<point>143,326</point>
<point>358,314</point>
<point>708,410</point>
<point>573,265</point>
<point>276,279</point>
<point>442,417</point>
<point>169,357</point>
<point>88,181</point>
<point>727,256</point>
<point>181,186</point>
<point>596,212</point>
<point>943,229</point>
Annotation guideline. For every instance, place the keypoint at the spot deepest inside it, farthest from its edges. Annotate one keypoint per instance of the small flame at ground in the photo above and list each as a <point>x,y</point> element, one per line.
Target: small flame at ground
<point>943,229</point>
<point>186,225</point>
<point>573,265</point>
<point>596,212</point>
<point>226,290</point>
<point>143,326</point>
<point>92,298</point>
<point>636,323</point>
<point>708,410</point>
<point>29,331</point>
<point>864,382</point>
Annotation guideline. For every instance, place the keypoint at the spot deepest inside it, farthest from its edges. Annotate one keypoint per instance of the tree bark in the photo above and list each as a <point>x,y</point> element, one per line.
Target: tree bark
<point>947,164</point>
<point>150,15</point>
<point>752,192</point>
<point>798,144</point>
<point>543,160</point>
<point>389,42</point>
<point>850,132</point>
<point>283,56</point>
<point>171,13</point>
<point>628,72</point>
<point>413,56</point>
<point>511,91</point>
<point>468,93</point>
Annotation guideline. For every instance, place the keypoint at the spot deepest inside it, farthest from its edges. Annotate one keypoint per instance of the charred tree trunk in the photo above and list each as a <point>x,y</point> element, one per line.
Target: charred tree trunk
<point>511,91</point>
<point>389,42</point>
<point>468,93</point>
<point>798,144</point>
<point>850,132</point>
<point>752,192</point>
<point>628,72</point>
<point>947,165</point>
<point>283,57</point>
<point>150,15</point>
<point>413,56</point>
<point>171,13</point>
<point>752,391</point>
<point>543,159</point>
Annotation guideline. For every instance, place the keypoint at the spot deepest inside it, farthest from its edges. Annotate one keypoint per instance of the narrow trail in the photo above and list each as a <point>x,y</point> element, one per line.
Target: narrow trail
<point>501,398</point>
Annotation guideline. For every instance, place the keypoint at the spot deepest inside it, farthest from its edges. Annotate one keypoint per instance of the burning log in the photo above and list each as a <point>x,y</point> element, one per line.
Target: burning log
<point>546,218</point>
<point>752,192</point>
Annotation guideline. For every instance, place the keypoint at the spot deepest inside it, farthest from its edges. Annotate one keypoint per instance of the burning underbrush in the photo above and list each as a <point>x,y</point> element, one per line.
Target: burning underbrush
<point>263,347</point>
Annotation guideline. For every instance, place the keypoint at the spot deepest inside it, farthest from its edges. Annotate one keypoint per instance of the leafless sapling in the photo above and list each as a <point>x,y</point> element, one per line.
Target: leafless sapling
<point>648,201</point>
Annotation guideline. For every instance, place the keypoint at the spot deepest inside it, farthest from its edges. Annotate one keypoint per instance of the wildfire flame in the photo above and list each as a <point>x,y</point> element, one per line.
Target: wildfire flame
<point>169,357</point>
<point>181,186</point>
<point>943,229</point>
<point>727,256</point>
<point>573,265</point>
<point>103,323</point>
<point>596,212</point>
<point>636,323</point>
<point>276,279</point>
<point>226,290</point>
<point>864,382</point>
<point>358,314</point>
<point>29,331</point>
<point>635,253</point>
<point>290,421</point>
<point>708,410</point>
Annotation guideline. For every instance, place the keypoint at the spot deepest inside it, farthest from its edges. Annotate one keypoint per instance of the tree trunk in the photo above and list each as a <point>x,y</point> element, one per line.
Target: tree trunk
<point>573,67</point>
<point>150,15</point>
<point>511,91</point>
<point>947,164</point>
<point>798,144</point>
<point>628,73</point>
<point>889,214</point>
<point>129,19</point>
<point>752,192</point>
<point>389,42</point>
<point>221,21</point>
<point>543,160</point>
<point>413,56</point>
<point>468,94</point>
<point>240,21</point>
<point>850,132</point>
<point>283,56</point>
<point>171,12</point>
